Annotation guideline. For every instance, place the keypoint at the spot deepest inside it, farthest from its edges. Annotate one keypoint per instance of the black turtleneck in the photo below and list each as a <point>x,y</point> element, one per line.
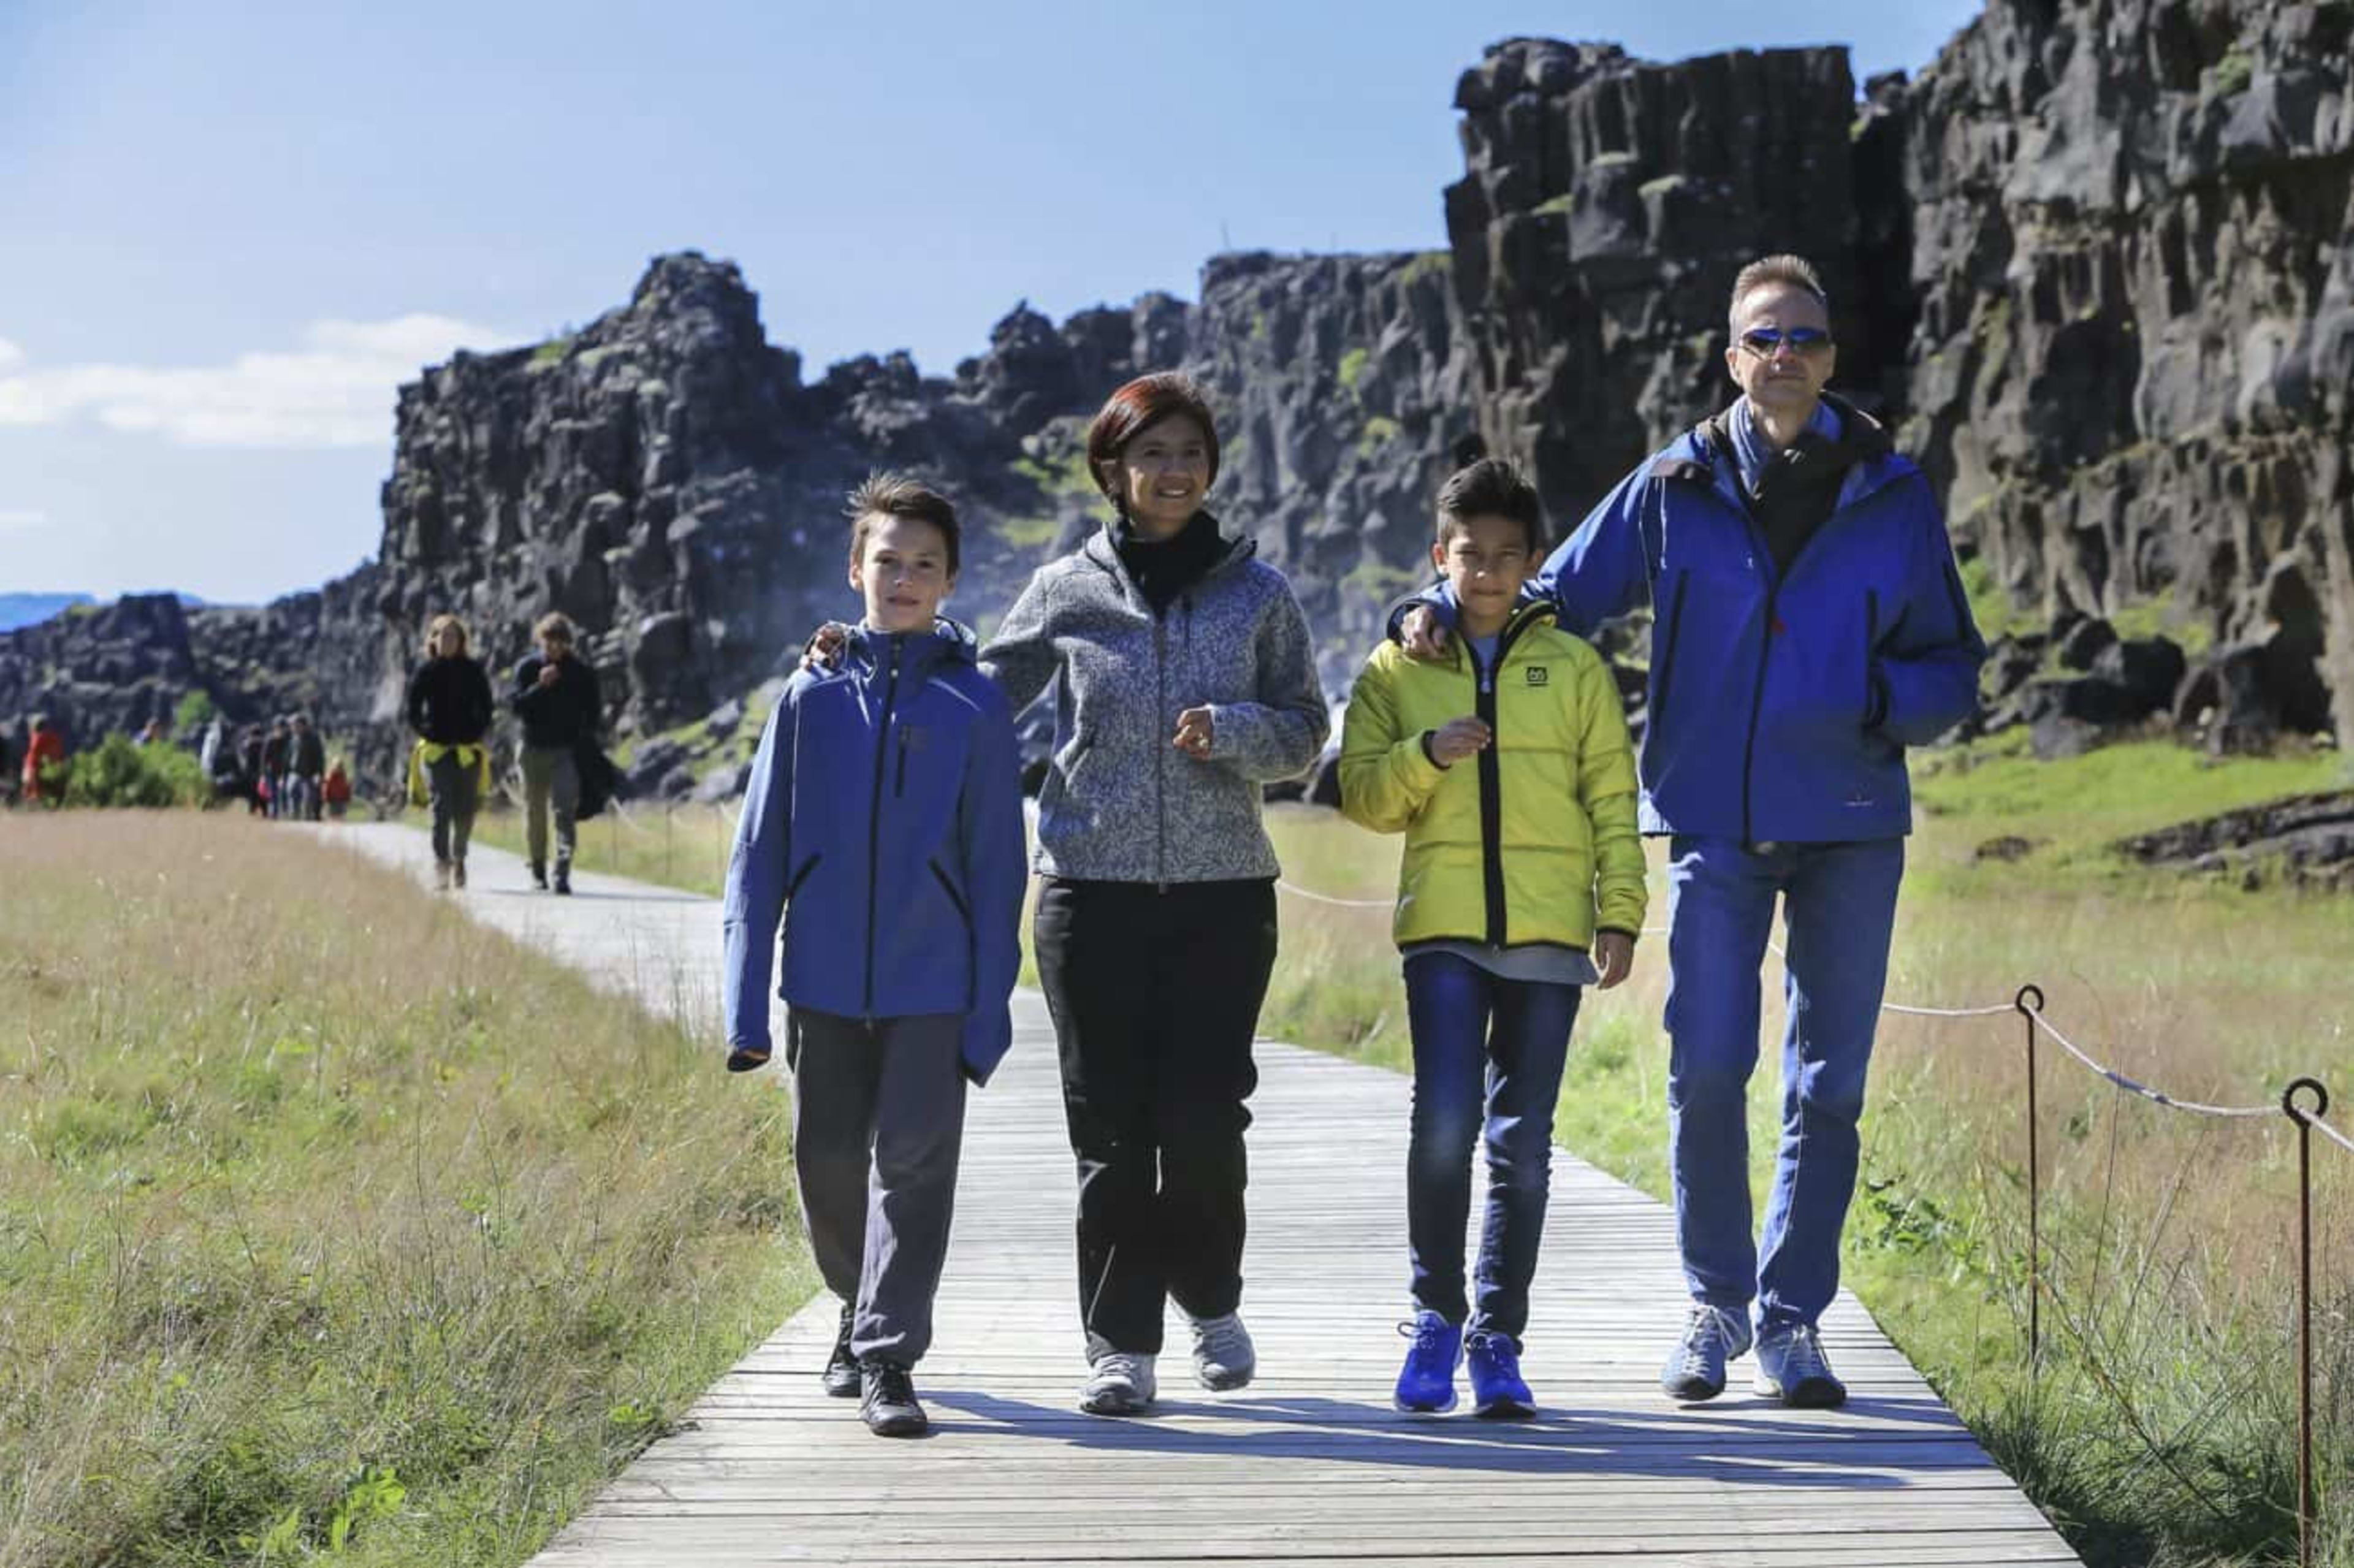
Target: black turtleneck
<point>1163,569</point>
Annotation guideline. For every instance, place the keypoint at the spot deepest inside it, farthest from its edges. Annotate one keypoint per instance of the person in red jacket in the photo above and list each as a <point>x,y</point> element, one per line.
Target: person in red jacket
<point>44,747</point>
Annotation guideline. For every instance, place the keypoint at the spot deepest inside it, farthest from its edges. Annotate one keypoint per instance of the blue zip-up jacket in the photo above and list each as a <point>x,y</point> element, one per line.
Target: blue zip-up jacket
<point>1779,707</point>
<point>883,826</point>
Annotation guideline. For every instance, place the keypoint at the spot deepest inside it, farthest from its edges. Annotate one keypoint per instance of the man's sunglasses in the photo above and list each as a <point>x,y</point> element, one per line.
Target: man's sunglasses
<point>1763,341</point>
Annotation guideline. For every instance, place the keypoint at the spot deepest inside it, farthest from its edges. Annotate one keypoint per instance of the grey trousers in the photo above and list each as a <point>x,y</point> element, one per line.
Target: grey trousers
<point>450,784</point>
<point>549,777</point>
<point>878,1121</point>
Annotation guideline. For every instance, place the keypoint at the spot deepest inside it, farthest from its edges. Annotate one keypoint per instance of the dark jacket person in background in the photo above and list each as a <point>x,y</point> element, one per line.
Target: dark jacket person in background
<point>555,696</point>
<point>451,709</point>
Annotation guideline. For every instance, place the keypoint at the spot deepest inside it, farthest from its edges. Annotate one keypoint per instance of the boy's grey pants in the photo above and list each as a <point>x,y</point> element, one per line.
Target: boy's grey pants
<point>549,777</point>
<point>878,1120</point>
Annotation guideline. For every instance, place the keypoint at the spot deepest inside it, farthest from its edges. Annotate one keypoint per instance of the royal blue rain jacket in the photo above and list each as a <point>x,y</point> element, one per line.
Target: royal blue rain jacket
<point>883,827</point>
<point>1779,706</point>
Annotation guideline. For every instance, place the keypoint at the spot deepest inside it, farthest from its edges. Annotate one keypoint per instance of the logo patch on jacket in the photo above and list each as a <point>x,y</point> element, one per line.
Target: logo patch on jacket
<point>1538,675</point>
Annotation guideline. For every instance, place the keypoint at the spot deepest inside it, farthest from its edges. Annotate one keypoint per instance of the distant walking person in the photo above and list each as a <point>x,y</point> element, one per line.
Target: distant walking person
<point>335,790</point>
<point>883,825</point>
<point>1809,625</point>
<point>451,709</point>
<point>277,751</point>
<point>306,767</point>
<point>44,748</point>
<point>555,695</point>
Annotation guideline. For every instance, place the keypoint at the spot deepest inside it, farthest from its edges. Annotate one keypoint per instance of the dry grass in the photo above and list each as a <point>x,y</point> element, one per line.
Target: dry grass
<point>328,1218</point>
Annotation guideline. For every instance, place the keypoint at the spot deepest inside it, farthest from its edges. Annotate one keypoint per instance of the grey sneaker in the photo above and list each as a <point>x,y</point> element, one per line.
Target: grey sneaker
<point>1712,1337</point>
<point>1224,1357</point>
<point>1118,1383</point>
<point>1791,1367</point>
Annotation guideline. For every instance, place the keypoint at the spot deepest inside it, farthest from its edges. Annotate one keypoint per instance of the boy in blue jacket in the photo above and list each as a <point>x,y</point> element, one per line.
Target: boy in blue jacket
<point>883,827</point>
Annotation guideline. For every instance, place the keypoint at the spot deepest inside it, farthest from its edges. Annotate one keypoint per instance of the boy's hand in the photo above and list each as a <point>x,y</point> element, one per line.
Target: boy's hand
<point>1614,954</point>
<point>1424,638</point>
<point>824,650</point>
<point>743,1059</point>
<point>1192,736</point>
<point>1459,739</point>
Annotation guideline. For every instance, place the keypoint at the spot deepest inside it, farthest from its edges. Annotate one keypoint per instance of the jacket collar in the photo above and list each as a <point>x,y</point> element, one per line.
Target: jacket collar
<point>1102,552</point>
<point>948,642</point>
<point>1704,454</point>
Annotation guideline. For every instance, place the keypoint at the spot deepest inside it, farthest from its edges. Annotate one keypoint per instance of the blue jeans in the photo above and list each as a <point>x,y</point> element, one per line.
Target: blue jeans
<point>1487,1056</point>
<point>1838,902</point>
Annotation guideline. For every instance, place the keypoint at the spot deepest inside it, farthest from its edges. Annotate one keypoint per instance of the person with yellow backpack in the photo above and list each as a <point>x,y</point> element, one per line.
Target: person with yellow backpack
<point>450,708</point>
<point>1508,770</point>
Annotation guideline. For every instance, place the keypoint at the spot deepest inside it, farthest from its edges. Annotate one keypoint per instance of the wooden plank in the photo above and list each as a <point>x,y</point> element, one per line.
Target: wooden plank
<point>1309,1465</point>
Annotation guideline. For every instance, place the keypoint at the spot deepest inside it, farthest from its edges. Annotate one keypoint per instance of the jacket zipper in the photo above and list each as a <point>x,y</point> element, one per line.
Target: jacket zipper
<point>1160,764</point>
<point>1491,784</point>
<point>875,823</point>
<point>899,789</point>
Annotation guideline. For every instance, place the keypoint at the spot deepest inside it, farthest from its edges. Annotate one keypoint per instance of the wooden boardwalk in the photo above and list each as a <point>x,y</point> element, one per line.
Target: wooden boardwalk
<point>1310,1464</point>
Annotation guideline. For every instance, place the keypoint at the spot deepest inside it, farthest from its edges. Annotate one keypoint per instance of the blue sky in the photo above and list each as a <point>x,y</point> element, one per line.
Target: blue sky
<point>228,232</point>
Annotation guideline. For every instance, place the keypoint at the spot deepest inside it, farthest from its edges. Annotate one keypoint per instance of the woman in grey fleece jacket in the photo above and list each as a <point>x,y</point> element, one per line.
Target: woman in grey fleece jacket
<point>1186,681</point>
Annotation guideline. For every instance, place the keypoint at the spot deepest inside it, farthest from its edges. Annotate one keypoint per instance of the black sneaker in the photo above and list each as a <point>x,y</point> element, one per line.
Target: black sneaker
<point>563,878</point>
<point>539,876</point>
<point>887,1402</point>
<point>841,1367</point>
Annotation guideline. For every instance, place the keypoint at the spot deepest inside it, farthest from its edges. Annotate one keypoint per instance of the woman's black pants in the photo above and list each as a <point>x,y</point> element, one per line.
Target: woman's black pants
<point>1155,995</point>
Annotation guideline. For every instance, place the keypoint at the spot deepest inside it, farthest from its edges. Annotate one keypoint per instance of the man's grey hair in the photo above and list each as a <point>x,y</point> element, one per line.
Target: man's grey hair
<point>1776,271</point>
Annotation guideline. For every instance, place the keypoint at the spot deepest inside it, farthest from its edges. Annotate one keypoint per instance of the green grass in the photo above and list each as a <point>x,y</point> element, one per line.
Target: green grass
<point>334,1225</point>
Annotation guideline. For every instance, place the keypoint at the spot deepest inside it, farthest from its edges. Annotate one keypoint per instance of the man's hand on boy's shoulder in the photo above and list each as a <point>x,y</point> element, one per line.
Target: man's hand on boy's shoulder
<point>1614,954</point>
<point>1422,634</point>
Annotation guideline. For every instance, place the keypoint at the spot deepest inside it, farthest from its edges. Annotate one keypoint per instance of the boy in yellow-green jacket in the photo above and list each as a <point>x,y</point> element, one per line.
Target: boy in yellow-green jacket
<point>1509,770</point>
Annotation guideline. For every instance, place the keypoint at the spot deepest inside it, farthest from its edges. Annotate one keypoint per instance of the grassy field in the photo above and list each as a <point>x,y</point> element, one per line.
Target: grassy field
<point>332,1226</point>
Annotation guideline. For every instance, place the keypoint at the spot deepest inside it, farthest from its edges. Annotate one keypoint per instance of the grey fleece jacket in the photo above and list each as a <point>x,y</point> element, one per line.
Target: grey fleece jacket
<point>1120,803</point>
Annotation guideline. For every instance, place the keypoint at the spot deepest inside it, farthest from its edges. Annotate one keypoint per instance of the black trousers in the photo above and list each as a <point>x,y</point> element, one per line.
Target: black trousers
<point>1155,996</point>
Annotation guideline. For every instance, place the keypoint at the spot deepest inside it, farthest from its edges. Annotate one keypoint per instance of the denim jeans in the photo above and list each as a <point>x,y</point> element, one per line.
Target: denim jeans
<point>1488,1057</point>
<point>1838,902</point>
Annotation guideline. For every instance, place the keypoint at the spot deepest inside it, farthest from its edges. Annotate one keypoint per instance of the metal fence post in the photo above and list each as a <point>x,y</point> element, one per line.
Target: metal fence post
<point>2306,1524</point>
<point>2035,1189</point>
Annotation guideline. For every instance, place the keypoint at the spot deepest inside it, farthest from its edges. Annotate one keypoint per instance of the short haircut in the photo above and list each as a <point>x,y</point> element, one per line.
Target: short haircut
<point>1490,487</point>
<point>440,624</point>
<point>1782,271</point>
<point>887,494</point>
<point>553,626</point>
<point>1135,409</point>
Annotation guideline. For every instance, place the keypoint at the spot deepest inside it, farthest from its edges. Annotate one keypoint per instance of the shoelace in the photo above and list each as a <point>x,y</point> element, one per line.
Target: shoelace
<point>1802,1355</point>
<point>1218,1337</point>
<point>892,1386</point>
<point>1424,1332</point>
<point>1704,1330</point>
<point>1118,1364</point>
<point>1499,1350</point>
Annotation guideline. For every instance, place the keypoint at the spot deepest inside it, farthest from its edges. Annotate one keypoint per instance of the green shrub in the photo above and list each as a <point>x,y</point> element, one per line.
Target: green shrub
<point>121,774</point>
<point>196,710</point>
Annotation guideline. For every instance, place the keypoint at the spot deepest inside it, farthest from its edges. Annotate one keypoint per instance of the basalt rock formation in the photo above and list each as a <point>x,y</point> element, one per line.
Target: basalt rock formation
<point>2095,263</point>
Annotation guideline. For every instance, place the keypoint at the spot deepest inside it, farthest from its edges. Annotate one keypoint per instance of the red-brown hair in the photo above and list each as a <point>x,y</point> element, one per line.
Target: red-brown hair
<point>1136,408</point>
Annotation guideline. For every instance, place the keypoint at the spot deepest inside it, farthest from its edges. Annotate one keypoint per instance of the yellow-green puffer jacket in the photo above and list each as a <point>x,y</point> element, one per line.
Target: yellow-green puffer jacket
<point>1531,840</point>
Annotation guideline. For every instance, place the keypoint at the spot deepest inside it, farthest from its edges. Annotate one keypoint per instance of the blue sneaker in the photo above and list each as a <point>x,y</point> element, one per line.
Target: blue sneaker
<point>1497,1392</point>
<point>1792,1368</point>
<point>1425,1384</point>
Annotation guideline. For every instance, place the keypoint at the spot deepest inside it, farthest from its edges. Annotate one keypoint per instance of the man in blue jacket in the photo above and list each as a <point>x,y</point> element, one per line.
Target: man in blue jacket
<point>1807,625</point>
<point>883,827</point>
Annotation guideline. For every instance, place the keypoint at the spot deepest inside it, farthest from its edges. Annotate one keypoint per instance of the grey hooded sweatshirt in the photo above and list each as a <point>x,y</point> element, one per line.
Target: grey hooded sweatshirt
<point>1120,803</point>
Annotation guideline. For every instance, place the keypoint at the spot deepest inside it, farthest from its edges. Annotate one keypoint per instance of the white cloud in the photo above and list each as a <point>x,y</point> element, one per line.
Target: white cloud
<point>336,391</point>
<point>11,522</point>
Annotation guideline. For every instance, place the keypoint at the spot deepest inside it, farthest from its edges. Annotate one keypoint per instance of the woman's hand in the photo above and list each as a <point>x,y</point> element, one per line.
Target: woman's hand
<point>1192,736</point>
<point>823,650</point>
<point>1614,954</point>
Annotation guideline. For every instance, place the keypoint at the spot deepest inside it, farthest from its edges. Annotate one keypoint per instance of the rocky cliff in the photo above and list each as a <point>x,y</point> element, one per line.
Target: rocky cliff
<point>2097,260</point>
